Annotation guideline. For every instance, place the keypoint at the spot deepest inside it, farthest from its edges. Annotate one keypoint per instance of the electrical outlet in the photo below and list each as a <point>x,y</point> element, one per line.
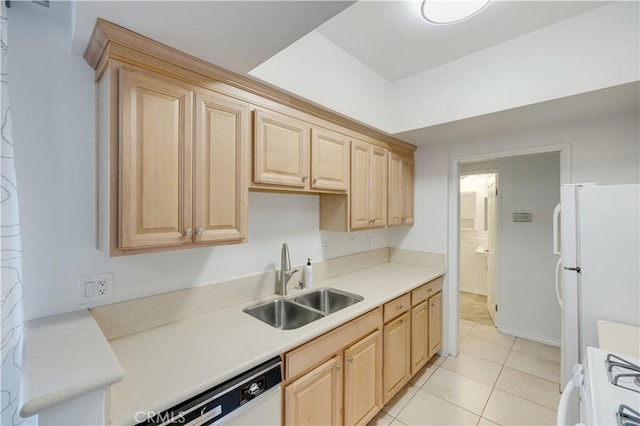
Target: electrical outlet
<point>95,288</point>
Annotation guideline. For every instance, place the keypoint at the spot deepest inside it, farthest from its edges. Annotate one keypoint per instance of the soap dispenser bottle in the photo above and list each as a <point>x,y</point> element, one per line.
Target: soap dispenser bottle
<point>308,274</point>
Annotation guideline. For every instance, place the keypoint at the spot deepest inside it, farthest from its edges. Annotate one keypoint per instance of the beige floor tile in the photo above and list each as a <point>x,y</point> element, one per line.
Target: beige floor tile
<point>529,387</point>
<point>401,399</point>
<point>458,389</point>
<point>427,409</point>
<point>481,349</point>
<point>485,422</point>
<point>535,365</point>
<point>381,419</point>
<point>397,422</point>
<point>492,335</point>
<point>538,349</point>
<point>464,327</point>
<point>473,367</point>
<point>425,372</point>
<point>506,409</point>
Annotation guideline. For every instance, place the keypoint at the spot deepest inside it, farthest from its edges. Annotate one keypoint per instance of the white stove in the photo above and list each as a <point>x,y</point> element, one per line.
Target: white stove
<point>609,387</point>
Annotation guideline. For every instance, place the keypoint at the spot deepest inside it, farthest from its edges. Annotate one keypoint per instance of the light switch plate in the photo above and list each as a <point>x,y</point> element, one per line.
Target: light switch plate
<point>522,217</point>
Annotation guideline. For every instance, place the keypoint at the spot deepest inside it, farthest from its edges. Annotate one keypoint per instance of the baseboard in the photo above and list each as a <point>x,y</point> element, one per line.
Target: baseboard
<point>530,336</point>
<point>473,290</point>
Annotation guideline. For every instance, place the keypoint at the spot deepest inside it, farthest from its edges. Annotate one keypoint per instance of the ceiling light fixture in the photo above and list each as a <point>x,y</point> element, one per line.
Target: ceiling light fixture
<point>450,11</point>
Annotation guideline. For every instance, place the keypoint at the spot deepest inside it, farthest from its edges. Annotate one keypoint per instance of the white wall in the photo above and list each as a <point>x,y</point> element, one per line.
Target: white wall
<point>53,111</point>
<point>525,265</point>
<point>605,150</point>
<point>316,69</point>
<point>593,50</point>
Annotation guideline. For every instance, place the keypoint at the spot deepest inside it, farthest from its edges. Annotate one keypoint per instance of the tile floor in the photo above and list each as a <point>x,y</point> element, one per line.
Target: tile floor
<point>495,379</point>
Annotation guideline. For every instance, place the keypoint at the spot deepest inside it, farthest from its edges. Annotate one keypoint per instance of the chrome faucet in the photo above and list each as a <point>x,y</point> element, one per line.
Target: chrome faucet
<point>285,270</point>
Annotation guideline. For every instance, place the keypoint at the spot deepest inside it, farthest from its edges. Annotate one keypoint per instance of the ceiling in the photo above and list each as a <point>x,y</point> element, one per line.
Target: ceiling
<point>237,35</point>
<point>394,40</point>
<point>622,99</point>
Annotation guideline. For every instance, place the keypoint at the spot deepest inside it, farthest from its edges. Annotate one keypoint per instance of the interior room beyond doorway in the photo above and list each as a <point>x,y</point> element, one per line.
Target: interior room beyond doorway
<point>478,247</point>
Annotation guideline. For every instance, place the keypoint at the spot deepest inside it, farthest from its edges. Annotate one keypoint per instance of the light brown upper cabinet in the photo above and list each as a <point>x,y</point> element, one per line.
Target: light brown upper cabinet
<point>281,150</point>
<point>368,186</point>
<point>329,160</point>
<point>155,157</point>
<point>220,185</point>
<point>291,153</point>
<point>177,152</point>
<point>180,176</point>
<point>401,189</point>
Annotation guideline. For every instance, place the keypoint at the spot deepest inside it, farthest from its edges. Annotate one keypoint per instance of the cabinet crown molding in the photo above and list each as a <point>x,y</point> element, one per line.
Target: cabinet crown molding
<point>109,41</point>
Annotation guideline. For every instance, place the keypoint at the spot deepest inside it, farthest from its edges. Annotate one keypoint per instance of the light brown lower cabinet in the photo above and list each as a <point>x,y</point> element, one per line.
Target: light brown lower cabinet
<point>362,372</point>
<point>346,388</point>
<point>435,324</point>
<point>396,356</point>
<point>346,375</point>
<point>419,336</point>
<point>316,397</point>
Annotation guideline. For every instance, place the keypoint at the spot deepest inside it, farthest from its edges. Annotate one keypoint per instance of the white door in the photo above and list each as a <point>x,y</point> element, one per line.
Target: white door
<point>492,193</point>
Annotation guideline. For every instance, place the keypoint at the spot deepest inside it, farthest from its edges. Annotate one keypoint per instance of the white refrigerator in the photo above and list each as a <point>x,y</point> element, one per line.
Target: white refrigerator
<point>596,232</point>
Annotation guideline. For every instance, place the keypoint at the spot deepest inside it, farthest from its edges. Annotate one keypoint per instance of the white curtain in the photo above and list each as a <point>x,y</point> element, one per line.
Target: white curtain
<point>11,309</point>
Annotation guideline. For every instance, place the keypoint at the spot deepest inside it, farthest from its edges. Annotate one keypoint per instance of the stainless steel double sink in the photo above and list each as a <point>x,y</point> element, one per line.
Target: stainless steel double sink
<point>288,313</point>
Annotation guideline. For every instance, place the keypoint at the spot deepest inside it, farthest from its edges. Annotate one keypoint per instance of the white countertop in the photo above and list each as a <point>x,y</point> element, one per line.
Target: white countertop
<point>619,338</point>
<point>65,356</point>
<point>169,364</point>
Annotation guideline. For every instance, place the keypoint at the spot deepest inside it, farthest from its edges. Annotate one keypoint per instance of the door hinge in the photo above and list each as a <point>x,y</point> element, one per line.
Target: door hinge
<point>496,191</point>
<point>496,308</point>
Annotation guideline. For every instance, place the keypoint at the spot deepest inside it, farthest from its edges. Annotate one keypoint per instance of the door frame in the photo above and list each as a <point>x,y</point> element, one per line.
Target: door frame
<point>498,242</point>
<point>452,293</point>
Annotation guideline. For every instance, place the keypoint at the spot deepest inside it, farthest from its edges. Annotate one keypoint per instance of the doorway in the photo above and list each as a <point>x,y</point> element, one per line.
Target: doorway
<point>520,268</point>
<point>478,247</point>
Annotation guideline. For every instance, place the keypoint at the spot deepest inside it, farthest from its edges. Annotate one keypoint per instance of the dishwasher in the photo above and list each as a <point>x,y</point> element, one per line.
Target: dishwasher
<point>251,398</point>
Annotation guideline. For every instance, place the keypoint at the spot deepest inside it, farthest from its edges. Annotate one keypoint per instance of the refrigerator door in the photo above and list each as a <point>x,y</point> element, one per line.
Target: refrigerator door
<point>609,253</point>
<point>569,349</point>
<point>569,277</point>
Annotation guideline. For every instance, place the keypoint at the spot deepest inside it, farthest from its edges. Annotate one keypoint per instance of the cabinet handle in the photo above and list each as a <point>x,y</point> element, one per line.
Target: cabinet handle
<point>188,232</point>
<point>429,290</point>
<point>350,360</point>
<point>338,367</point>
<point>200,230</point>
<point>315,180</point>
<point>304,178</point>
<point>399,307</point>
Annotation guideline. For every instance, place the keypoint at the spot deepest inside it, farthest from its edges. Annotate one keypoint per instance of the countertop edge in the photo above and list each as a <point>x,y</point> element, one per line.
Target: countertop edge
<point>277,349</point>
<point>50,346</point>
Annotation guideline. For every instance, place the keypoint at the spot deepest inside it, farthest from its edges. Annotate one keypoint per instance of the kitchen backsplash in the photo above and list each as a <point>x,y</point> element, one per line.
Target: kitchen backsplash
<point>121,319</point>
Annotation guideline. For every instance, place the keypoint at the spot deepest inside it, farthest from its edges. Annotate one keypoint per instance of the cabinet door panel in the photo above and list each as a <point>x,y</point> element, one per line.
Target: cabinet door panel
<point>155,161</point>
<point>360,192</point>
<point>419,337</point>
<point>435,324</point>
<point>407,190</point>
<point>379,187</point>
<point>281,151</point>
<point>316,397</point>
<point>222,126</point>
<point>396,356</point>
<point>329,160</point>
<point>363,380</point>
<point>394,199</point>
